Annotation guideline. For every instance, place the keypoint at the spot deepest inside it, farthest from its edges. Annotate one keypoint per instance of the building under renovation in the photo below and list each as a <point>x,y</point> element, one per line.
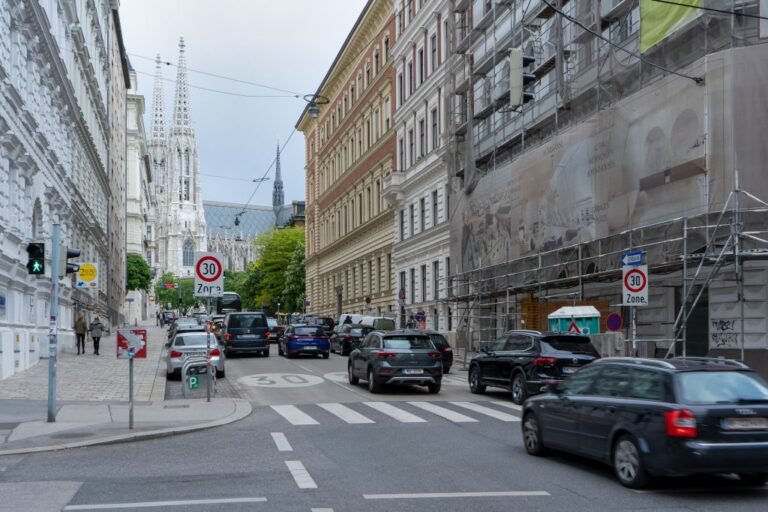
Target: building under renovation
<point>646,132</point>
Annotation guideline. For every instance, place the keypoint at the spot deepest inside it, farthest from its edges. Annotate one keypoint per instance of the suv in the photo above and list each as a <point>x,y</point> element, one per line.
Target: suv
<point>525,361</point>
<point>648,417</point>
<point>246,333</point>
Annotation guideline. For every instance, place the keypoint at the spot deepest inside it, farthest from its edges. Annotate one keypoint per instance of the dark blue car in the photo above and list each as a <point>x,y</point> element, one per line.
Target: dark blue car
<point>304,339</point>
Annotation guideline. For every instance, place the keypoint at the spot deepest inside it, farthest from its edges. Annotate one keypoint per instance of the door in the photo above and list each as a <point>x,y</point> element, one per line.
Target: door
<point>599,411</point>
<point>560,421</point>
<point>490,366</point>
<point>518,352</point>
<point>360,363</point>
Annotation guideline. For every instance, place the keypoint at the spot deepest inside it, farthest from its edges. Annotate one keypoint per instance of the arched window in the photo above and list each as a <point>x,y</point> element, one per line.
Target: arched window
<point>189,253</point>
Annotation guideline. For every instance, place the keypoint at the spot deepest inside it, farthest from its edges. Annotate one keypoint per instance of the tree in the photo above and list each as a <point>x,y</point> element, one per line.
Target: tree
<point>294,291</point>
<point>139,275</point>
<point>180,297</point>
<point>277,249</point>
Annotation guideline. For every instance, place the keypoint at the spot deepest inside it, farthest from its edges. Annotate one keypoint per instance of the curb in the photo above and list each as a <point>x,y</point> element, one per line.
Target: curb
<point>242,410</point>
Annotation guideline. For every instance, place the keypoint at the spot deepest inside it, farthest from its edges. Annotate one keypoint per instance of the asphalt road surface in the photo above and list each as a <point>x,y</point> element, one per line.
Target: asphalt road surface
<point>315,443</point>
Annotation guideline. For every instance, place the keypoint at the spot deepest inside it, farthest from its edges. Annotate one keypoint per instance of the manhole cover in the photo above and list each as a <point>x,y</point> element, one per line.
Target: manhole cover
<point>71,435</point>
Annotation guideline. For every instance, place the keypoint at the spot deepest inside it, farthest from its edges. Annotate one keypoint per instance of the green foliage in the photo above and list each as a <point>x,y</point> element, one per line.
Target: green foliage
<point>277,249</point>
<point>294,292</point>
<point>180,297</point>
<point>139,274</point>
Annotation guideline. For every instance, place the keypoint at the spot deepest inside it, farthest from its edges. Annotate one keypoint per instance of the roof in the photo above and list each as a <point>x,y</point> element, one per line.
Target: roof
<point>254,220</point>
<point>575,312</point>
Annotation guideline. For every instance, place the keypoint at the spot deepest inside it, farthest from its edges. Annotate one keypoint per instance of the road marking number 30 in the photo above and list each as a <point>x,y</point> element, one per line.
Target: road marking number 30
<point>280,380</point>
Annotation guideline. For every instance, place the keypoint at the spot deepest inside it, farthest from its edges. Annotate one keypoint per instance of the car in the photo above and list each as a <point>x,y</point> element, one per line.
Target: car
<point>325,322</point>
<point>525,361</point>
<point>347,337</point>
<point>304,339</point>
<point>653,417</point>
<point>184,325</point>
<point>193,344</point>
<point>380,323</point>
<point>444,347</point>
<point>246,333</point>
<point>396,357</point>
<point>275,329</point>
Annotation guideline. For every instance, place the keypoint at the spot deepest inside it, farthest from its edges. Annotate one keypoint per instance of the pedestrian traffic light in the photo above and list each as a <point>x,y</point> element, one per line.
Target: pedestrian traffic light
<point>64,254</point>
<point>36,259</point>
<point>518,78</point>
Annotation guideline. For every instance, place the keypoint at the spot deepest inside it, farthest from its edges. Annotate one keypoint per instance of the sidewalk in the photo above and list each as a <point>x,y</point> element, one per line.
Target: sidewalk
<point>92,377</point>
<point>24,429</point>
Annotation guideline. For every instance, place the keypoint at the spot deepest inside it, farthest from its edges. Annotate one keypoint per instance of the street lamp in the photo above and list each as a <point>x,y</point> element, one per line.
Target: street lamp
<point>278,310</point>
<point>314,100</point>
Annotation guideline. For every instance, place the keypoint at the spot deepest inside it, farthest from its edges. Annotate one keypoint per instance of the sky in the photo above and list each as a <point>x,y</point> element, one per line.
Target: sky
<point>287,44</point>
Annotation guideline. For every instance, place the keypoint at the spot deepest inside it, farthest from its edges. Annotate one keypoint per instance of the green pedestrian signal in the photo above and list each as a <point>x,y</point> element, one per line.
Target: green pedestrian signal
<point>36,260</point>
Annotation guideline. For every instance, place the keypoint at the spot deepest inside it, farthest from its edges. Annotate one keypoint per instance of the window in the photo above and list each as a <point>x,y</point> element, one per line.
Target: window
<point>400,154</point>
<point>378,196</point>
<point>360,142</point>
<point>370,277</point>
<point>367,75</point>
<point>402,280</point>
<point>434,208</point>
<point>376,62</point>
<point>386,48</point>
<point>422,215</point>
<point>410,147</point>
<point>647,385</point>
<point>433,53</point>
<point>376,125</point>
<point>400,90</point>
<point>411,221</point>
<point>420,63</point>
<point>447,213</point>
<point>409,77</point>
<point>614,381</point>
<point>435,282</point>
<point>422,139</point>
<point>580,383</point>
<point>367,133</point>
<point>423,283</point>
<point>360,207</point>
<point>386,114</point>
<point>188,254</point>
<point>433,118</point>
<point>402,224</point>
<point>413,285</point>
<point>518,343</point>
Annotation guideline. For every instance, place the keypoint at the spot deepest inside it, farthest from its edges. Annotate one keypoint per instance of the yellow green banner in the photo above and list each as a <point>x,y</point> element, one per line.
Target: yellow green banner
<point>658,20</point>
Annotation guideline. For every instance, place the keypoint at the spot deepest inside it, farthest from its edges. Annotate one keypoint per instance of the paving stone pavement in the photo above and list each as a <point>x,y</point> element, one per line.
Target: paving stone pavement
<point>92,377</point>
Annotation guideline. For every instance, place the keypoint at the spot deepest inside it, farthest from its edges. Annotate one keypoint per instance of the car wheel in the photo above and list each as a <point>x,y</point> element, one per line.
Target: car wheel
<point>532,435</point>
<point>474,381</point>
<point>326,355</point>
<point>373,386</point>
<point>519,389</point>
<point>753,478</point>
<point>434,387</point>
<point>352,379</point>
<point>627,463</point>
<point>220,374</point>
<point>174,375</point>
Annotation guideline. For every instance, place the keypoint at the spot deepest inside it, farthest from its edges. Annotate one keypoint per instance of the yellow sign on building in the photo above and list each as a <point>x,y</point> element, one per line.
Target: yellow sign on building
<point>88,276</point>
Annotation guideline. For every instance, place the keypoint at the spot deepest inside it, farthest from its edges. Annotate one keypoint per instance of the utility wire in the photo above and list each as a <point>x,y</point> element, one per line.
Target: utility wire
<point>697,79</point>
<point>228,93</point>
<point>721,11</point>
<point>226,177</point>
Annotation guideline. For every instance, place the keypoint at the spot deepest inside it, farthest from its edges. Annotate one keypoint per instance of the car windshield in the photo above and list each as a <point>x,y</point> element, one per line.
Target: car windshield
<point>308,331</point>
<point>245,321</point>
<point>713,387</point>
<point>406,342</point>
<point>568,344</point>
<point>193,340</point>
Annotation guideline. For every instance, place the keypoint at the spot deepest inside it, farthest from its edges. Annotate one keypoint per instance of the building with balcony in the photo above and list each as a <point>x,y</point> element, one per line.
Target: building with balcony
<point>350,148</point>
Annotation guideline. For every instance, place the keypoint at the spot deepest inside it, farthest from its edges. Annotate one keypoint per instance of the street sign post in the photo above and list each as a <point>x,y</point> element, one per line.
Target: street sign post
<point>131,344</point>
<point>209,275</point>
<point>634,287</point>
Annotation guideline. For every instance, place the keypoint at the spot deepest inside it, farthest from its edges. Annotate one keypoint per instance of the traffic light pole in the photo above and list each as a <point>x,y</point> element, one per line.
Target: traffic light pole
<point>52,331</point>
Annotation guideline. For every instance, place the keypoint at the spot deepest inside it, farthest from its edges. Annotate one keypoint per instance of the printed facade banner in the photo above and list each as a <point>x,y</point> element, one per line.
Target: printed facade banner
<point>659,20</point>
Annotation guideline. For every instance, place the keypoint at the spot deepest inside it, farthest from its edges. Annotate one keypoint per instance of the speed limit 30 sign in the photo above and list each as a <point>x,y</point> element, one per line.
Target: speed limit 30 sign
<point>209,275</point>
<point>635,285</point>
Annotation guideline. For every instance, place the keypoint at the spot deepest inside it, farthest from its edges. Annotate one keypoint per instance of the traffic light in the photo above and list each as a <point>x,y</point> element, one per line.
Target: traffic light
<point>64,254</point>
<point>518,78</point>
<point>36,259</point>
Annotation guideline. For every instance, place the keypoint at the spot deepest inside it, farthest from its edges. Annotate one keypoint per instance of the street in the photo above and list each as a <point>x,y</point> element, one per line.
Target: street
<point>314,442</point>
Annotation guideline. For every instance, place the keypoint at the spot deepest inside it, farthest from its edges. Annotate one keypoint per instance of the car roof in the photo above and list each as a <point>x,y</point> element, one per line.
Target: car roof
<point>401,332</point>
<point>678,364</point>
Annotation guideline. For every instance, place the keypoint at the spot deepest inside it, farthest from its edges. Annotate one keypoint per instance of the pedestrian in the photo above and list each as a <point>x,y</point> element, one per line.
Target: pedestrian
<point>411,324</point>
<point>158,319</point>
<point>80,329</point>
<point>96,331</point>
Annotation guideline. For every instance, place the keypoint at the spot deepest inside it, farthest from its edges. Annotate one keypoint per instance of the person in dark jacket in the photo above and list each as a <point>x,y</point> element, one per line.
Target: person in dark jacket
<point>96,329</point>
<point>81,328</point>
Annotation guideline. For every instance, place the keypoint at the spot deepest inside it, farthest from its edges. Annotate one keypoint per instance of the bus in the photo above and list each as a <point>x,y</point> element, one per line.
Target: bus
<point>228,302</point>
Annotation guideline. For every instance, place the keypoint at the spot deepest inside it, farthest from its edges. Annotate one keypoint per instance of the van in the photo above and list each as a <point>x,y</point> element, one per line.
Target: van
<point>379,323</point>
<point>246,333</point>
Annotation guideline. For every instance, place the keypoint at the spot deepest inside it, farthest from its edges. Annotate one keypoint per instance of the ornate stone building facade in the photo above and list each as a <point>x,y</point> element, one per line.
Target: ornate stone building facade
<point>181,222</point>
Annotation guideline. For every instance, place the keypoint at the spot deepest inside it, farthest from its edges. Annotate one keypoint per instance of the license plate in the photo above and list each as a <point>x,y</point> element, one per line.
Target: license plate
<point>413,371</point>
<point>310,348</point>
<point>247,336</point>
<point>567,370</point>
<point>745,423</point>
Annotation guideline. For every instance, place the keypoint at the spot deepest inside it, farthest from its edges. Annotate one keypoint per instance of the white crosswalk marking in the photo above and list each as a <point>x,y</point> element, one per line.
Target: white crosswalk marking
<point>346,414</point>
<point>493,413</point>
<point>294,415</point>
<point>393,412</point>
<point>443,412</point>
<point>508,405</point>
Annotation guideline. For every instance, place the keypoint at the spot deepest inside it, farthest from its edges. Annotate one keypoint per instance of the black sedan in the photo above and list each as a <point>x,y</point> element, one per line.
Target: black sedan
<point>650,417</point>
<point>347,337</point>
<point>396,357</point>
<point>525,361</point>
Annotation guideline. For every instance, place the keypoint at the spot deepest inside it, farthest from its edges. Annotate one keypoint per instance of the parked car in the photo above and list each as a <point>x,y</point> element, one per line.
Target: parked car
<point>246,333</point>
<point>192,344</point>
<point>275,330</point>
<point>347,337</point>
<point>184,325</point>
<point>396,357</point>
<point>651,417</point>
<point>525,361</point>
<point>304,339</point>
<point>380,323</point>
<point>444,347</point>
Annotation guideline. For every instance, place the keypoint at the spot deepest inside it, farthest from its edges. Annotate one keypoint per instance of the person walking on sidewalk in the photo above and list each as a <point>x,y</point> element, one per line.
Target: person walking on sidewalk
<point>80,329</point>
<point>96,329</point>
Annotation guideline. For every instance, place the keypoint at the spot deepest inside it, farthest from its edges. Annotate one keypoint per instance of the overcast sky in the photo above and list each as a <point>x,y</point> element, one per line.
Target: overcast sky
<point>287,44</point>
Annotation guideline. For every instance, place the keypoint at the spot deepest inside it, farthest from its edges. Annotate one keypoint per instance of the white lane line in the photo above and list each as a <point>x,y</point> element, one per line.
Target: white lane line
<point>346,414</point>
<point>443,412</point>
<point>393,412</point>
<point>322,510</point>
<point>158,504</point>
<point>508,405</point>
<point>294,415</point>
<point>493,413</point>
<point>410,496</point>
<point>300,474</point>
<point>281,442</point>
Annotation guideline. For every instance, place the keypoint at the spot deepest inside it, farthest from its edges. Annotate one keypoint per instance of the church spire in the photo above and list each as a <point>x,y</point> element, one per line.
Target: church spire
<point>158,109</point>
<point>182,120</point>
<point>277,193</point>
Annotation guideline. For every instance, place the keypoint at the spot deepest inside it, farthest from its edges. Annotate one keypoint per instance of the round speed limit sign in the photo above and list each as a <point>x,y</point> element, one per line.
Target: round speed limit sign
<point>208,268</point>
<point>209,278</point>
<point>635,285</point>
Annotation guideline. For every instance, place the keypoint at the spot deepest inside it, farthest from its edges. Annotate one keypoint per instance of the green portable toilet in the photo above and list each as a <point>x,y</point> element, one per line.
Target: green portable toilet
<point>575,320</point>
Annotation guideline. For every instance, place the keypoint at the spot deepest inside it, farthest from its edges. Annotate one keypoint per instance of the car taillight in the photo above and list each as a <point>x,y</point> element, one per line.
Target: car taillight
<point>544,361</point>
<point>215,352</point>
<point>229,336</point>
<point>386,355</point>
<point>447,349</point>
<point>434,355</point>
<point>680,423</point>
<point>266,334</point>
<point>175,353</point>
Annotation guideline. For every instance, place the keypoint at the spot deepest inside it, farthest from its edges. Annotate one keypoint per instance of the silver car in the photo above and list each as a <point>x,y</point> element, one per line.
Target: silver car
<point>193,344</point>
